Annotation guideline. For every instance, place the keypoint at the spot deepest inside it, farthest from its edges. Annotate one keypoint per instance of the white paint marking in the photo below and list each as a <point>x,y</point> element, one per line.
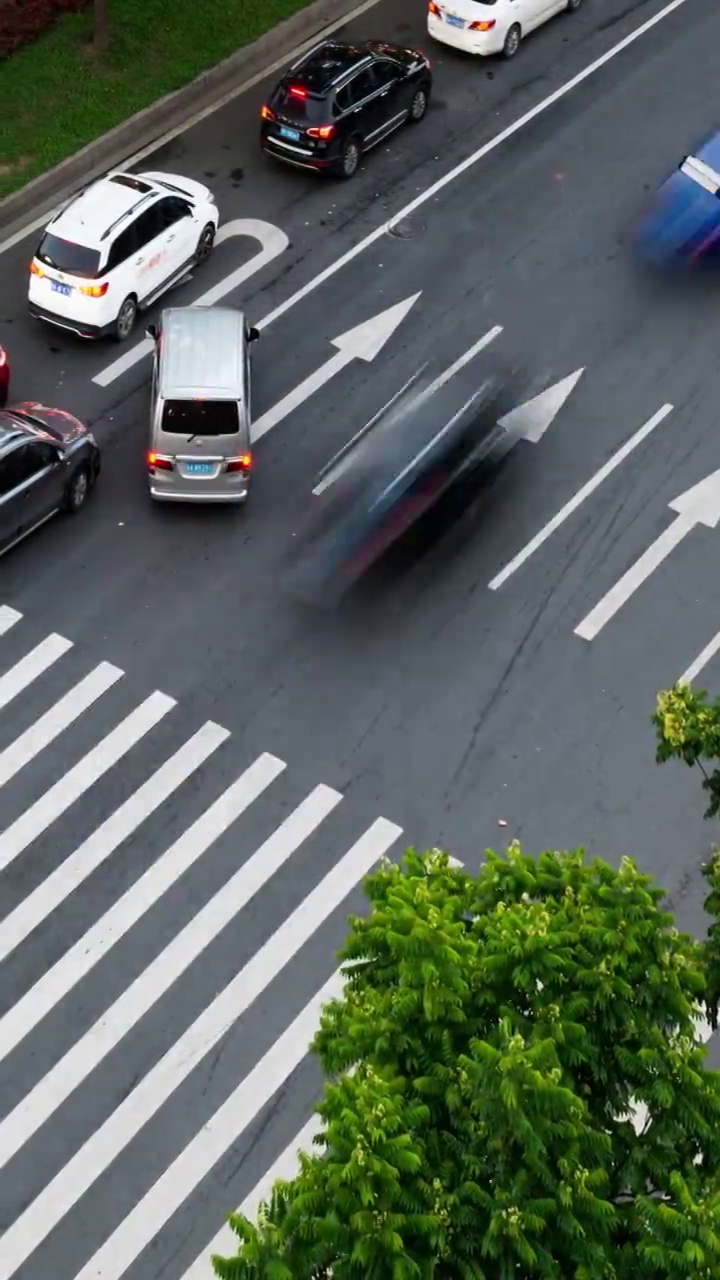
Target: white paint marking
<point>273,242</point>
<point>577,500</point>
<point>530,421</point>
<point>699,505</point>
<point>341,461</point>
<point>108,837</point>
<point>16,838</point>
<point>73,1180</point>
<point>706,655</point>
<point>55,983</point>
<point>8,618</point>
<point>461,362</point>
<point>88,1052</point>
<point>17,679</point>
<point>364,342</point>
<point>191,121</point>
<point>54,722</point>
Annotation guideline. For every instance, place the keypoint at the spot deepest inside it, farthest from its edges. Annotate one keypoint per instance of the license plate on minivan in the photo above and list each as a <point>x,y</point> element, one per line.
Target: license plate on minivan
<point>199,468</point>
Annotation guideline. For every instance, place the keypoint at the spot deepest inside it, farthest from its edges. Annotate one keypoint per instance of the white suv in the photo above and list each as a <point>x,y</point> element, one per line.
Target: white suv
<point>116,247</point>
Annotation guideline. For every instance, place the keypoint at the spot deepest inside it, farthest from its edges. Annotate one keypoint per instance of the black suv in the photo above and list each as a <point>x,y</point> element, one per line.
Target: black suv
<point>340,100</point>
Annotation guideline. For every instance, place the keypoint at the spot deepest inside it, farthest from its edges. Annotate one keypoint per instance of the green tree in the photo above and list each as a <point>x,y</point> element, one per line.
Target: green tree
<point>688,729</point>
<point>477,1121</point>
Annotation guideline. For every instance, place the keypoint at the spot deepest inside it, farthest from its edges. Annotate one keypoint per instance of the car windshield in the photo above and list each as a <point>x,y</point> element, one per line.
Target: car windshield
<point>73,259</point>
<point>200,417</point>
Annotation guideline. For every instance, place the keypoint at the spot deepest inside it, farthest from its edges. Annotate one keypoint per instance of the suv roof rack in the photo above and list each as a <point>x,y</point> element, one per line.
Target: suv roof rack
<point>128,213</point>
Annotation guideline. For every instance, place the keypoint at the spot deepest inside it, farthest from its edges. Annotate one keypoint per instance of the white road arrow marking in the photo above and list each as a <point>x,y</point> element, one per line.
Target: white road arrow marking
<point>364,342</point>
<point>699,505</point>
<point>273,242</point>
<point>577,500</point>
<point>530,421</point>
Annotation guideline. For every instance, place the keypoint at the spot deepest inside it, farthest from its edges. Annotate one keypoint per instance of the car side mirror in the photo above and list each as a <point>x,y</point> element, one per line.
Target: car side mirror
<point>152,332</point>
<point>253,335</point>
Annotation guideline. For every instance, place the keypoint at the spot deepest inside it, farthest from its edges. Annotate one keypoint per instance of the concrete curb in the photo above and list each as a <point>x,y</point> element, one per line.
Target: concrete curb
<point>142,129</point>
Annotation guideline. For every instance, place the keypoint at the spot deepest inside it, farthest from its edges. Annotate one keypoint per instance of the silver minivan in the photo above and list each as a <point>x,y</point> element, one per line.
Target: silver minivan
<point>200,408</point>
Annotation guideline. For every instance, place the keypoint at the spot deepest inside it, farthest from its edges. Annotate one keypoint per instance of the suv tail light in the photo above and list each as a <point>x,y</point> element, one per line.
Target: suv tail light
<point>267,114</point>
<point>239,464</point>
<point>321,131</point>
<point>296,91</point>
<point>482,26</point>
<point>94,290</point>
<point>159,462</point>
<point>36,269</point>
<point>434,8</point>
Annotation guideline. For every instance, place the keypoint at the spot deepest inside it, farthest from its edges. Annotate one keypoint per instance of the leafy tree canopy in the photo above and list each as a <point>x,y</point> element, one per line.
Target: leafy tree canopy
<point>477,1121</point>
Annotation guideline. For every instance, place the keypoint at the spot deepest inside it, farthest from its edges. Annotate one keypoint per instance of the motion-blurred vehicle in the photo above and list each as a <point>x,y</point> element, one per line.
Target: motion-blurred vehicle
<point>682,224</point>
<point>488,27</point>
<point>425,444</point>
<point>49,462</point>
<point>117,247</point>
<point>4,377</point>
<point>340,100</point>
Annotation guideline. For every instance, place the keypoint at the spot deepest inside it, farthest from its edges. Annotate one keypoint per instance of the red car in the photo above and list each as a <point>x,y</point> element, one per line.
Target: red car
<point>4,377</point>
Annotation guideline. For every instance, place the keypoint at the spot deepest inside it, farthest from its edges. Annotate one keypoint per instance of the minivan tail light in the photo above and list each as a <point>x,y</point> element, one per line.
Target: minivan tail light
<point>157,461</point>
<point>94,290</point>
<point>482,26</point>
<point>267,114</point>
<point>240,464</point>
<point>36,269</point>
<point>322,131</point>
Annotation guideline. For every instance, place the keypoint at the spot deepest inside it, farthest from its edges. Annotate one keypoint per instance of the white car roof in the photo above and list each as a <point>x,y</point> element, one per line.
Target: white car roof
<point>89,216</point>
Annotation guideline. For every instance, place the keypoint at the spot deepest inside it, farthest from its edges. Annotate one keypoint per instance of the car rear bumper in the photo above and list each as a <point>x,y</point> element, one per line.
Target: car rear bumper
<point>482,44</point>
<point>236,496</point>
<point>79,327</point>
<point>298,157</point>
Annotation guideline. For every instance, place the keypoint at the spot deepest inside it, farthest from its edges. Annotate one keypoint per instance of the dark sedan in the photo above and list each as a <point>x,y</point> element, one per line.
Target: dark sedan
<point>49,462</point>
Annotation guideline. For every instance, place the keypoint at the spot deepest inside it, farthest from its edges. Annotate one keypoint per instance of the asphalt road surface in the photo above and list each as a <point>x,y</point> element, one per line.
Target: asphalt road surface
<point>200,809</point>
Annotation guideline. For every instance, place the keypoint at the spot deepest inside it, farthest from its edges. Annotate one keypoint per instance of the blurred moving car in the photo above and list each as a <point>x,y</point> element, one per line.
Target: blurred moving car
<point>4,377</point>
<point>426,442</point>
<point>49,462</point>
<point>340,100</point>
<point>116,247</point>
<point>487,27</point>
<point>682,224</point>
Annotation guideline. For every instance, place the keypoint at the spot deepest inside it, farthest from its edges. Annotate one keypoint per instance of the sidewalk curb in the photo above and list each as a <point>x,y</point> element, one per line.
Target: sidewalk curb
<point>151,123</point>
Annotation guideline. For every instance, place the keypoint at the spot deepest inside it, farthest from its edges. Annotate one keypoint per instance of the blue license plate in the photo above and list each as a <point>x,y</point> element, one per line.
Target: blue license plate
<point>64,289</point>
<point>289,133</point>
<point>456,22</point>
<point>199,468</point>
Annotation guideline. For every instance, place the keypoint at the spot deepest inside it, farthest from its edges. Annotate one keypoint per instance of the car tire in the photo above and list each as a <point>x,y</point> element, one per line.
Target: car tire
<point>349,160</point>
<point>419,104</point>
<point>125,319</point>
<point>78,489</point>
<point>512,41</point>
<point>205,244</point>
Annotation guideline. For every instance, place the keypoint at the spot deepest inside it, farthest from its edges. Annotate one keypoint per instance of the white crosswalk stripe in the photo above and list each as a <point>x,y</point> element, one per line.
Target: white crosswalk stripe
<point>157,892</point>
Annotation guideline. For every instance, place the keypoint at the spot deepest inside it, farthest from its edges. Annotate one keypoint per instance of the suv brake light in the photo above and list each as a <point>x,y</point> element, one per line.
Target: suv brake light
<point>36,269</point>
<point>434,8</point>
<point>94,290</point>
<point>321,131</point>
<point>156,460</point>
<point>239,464</point>
<point>296,91</point>
<point>482,26</point>
<point>267,114</point>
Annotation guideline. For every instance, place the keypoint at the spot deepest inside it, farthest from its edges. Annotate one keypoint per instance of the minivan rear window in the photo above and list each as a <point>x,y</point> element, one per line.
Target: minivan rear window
<point>64,255</point>
<point>200,418</point>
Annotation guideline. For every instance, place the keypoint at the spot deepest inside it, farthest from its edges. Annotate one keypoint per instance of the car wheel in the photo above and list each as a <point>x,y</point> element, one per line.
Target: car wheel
<point>349,161</point>
<point>419,105</point>
<point>125,321</point>
<point>77,490</point>
<point>512,41</point>
<point>206,244</point>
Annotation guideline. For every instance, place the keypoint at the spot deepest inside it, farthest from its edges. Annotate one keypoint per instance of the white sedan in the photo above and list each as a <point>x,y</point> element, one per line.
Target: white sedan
<point>487,27</point>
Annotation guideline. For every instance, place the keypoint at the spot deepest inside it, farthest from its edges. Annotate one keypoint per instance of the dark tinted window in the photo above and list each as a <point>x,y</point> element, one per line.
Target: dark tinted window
<point>7,482</point>
<point>172,210</point>
<point>363,85</point>
<point>73,259</point>
<point>200,418</point>
<point>326,64</point>
<point>148,226</point>
<point>343,101</point>
<point>300,106</point>
<point>124,247</point>
<point>29,459</point>
<point>385,72</point>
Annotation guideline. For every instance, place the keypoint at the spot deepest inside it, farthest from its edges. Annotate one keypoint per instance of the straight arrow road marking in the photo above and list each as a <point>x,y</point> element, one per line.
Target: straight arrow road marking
<point>577,500</point>
<point>272,243</point>
<point>530,421</point>
<point>699,505</point>
<point>364,342</point>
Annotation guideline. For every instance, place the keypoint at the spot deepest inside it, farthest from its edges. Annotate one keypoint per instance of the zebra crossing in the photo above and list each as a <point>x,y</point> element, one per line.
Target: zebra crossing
<point>164,957</point>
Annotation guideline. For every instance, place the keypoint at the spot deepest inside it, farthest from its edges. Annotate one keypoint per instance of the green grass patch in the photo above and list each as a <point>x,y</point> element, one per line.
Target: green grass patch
<point>64,95</point>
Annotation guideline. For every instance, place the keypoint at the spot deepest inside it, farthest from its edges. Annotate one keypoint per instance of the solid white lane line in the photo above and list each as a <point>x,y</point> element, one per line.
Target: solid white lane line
<point>31,666</point>
<point>88,1052</point>
<point>54,722</point>
<point>58,1197</point>
<point>214,1140</point>
<point>706,655</point>
<point>143,894</point>
<point>8,618</point>
<point>461,362</point>
<point>103,842</point>
<point>73,784</point>
<point>577,500</point>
